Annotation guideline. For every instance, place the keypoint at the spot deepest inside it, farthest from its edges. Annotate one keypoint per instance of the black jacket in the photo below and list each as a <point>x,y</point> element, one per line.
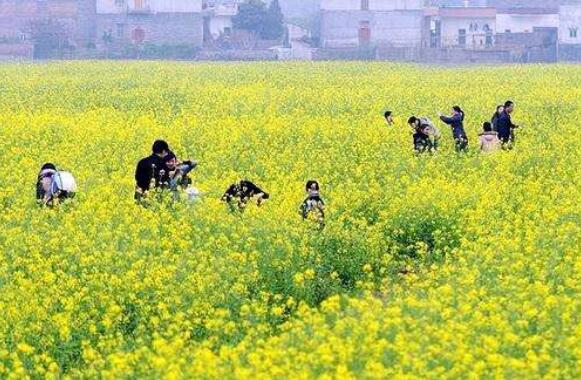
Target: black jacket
<point>504,126</point>
<point>148,168</point>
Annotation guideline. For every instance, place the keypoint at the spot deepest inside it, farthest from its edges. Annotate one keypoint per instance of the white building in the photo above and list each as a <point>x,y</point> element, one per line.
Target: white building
<point>570,24</point>
<point>218,16</point>
<point>570,32</point>
<point>351,23</point>
<point>465,27</point>
<point>148,6</point>
<point>525,20</point>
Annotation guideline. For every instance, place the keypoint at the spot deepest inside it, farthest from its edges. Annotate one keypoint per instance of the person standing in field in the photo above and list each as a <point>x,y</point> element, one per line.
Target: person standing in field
<point>151,171</point>
<point>313,204</point>
<point>388,115</point>
<point>489,141</point>
<point>505,126</point>
<point>494,119</point>
<point>456,121</point>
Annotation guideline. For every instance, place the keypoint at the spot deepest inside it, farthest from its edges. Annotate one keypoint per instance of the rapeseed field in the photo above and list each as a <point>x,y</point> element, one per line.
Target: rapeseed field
<point>439,266</point>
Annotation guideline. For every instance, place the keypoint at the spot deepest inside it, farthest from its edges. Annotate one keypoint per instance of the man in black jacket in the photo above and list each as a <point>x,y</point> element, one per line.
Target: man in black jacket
<point>504,126</point>
<point>151,171</point>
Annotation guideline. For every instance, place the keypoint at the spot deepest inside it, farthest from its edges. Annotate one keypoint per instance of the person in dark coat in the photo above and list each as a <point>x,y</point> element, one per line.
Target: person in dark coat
<point>456,121</point>
<point>505,126</point>
<point>151,171</point>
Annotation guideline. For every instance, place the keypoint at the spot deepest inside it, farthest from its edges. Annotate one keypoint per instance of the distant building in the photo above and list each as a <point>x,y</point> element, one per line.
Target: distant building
<point>20,18</point>
<point>570,32</point>
<point>134,22</point>
<point>218,16</point>
<point>351,23</point>
<point>525,20</point>
<point>464,27</point>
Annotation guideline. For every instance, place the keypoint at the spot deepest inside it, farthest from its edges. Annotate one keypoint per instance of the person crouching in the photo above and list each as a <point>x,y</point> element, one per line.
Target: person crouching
<point>54,186</point>
<point>240,193</point>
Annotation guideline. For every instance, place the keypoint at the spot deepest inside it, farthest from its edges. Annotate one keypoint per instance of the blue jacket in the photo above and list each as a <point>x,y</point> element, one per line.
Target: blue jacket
<point>457,124</point>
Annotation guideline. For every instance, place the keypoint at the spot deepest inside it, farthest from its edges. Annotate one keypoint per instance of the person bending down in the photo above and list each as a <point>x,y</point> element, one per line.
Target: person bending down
<point>54,186</point>
<point>240,193</point>
<point>426,135</point>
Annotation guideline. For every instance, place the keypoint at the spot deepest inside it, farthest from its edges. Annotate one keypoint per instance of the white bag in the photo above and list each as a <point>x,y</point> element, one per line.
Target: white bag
<point>193,194</point>
<point>64,181</point>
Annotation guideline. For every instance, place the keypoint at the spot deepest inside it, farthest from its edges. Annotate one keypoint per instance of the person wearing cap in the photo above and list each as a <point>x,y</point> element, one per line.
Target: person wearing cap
<point>151,170</point>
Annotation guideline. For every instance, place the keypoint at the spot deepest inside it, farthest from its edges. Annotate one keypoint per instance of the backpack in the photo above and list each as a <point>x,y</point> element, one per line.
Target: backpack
<point>64,184</point>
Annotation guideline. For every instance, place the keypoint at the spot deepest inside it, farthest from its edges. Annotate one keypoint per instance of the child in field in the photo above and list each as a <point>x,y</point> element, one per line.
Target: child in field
<point>54,186</point>
<point>177,174</point>
<point>489,141</point>
<point>242,192</point>
<point>313,203</point>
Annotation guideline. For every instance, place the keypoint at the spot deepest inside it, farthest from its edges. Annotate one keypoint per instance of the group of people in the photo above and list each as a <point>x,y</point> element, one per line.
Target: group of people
<point>162,172</point>
<point>498,133</point>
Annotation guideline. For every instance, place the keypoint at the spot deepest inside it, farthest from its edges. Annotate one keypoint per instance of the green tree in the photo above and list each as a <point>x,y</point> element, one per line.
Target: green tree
<point>274,23</point>
<point>251,16</point>
<point>255,17</point>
